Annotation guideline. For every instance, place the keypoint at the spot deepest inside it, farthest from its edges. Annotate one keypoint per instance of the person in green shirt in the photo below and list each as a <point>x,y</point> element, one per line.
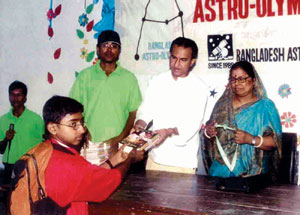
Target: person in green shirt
<point>110,94</point>
<point>20,129</point>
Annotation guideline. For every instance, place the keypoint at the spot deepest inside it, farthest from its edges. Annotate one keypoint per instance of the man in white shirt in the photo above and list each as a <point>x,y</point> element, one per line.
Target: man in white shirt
<point>176,103</point>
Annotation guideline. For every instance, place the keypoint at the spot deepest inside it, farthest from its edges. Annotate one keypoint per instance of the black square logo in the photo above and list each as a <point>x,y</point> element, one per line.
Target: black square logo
<point>220,47</point>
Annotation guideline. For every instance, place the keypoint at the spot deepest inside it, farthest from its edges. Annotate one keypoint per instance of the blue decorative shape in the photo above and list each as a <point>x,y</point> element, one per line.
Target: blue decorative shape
<point>83,20</point>
<point>95,1</point>
<point>108,18</point>
<point>284,90</point>
<point>213,93</point>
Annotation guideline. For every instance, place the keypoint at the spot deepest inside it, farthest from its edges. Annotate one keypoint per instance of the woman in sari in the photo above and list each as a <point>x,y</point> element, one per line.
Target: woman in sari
<point>243,135</point>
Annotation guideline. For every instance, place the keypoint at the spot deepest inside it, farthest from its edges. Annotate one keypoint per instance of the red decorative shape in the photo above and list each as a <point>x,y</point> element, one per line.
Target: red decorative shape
<point>50,14</point>
<point>90,26</point>
<point>57,10</point>
<point>57,53</point>
<point>50,31</point>
<point>288,119</point>
<point>50,78</point>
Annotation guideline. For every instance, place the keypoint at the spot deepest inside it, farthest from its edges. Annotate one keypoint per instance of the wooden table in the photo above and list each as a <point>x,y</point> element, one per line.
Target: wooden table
<point>155,192</point>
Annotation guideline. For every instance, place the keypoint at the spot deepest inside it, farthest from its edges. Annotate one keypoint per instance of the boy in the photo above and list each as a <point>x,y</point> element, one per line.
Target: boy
<point>71,181</point>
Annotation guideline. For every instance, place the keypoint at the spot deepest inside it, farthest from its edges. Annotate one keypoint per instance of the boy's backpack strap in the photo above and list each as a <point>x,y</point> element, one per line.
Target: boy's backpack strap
<point>41,191</point>
<point>31,180</point>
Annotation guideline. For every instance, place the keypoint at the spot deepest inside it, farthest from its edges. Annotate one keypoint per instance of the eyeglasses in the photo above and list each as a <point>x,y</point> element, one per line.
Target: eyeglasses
<point>238,80</point>
<point>75,125</point>
<point>109,45</point>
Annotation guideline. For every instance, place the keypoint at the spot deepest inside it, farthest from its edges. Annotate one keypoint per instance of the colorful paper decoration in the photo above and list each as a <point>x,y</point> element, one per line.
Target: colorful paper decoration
<point>50,78</point>
<point>284,91</point>
<point>90,56</point>
<point>83,19</point>
<point>107,21</point>
<point>288,119</point>
<point>57,53</point>
<point>90,26</point>
<point>51,15</point>
<point>83,53</point>
<point>89,9</point>
<point>80,34</point>
<point>50,32</point>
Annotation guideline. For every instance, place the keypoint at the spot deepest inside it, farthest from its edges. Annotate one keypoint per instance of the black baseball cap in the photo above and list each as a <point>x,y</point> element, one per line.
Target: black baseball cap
<point>109,36</point>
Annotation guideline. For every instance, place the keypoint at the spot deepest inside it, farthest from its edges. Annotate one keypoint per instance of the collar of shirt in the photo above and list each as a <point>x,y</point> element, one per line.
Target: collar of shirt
<point>13,116</point>
<point>55,141</point>
<point>99,70</point>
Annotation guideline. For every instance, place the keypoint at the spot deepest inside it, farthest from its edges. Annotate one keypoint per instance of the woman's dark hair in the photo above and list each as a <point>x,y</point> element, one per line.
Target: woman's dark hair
<point>186,43</point>
<point>244,65</point>
<point>57,107</point>
<point>17,85</point>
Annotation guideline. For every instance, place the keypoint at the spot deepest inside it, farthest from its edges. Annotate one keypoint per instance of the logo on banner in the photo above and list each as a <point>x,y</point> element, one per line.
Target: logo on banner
<point>219,47</point>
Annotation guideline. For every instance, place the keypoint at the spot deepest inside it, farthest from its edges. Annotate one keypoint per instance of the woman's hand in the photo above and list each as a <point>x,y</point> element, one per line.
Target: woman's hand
<point>211,130</point>
<point>242,137</point>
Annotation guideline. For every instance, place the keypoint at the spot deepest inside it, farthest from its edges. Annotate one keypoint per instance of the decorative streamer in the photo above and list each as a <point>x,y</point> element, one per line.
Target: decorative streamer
<point>51,15</point>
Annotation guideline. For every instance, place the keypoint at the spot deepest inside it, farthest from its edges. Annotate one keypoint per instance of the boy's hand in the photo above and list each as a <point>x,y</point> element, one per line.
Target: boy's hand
<point>119,157</point>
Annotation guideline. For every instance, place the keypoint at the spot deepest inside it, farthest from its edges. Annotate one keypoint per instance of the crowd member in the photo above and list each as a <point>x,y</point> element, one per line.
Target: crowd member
<point>243,135</point>
<point>175,101</point>
<point>20,128</point>
<point>70,180</point>
<point>109,93</point>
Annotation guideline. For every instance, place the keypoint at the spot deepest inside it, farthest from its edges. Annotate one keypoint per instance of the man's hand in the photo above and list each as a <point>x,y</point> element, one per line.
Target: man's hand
<point>138,126</point>
<point>9,135</point>
<point>164,134</point>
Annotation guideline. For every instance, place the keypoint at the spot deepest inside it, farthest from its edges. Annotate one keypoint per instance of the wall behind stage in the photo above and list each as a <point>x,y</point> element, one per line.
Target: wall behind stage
<point>263,32</point>
<point>46,52</point>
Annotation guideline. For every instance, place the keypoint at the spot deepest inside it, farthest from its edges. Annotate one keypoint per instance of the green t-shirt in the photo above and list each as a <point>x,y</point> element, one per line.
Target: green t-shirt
<point>29,128</point>
<point>107,100</point>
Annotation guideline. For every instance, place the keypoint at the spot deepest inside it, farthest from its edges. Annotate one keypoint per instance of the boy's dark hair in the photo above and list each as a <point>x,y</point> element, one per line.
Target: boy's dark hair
<point>186,43</point>
<point>18,85</point>
<point>57,107</point>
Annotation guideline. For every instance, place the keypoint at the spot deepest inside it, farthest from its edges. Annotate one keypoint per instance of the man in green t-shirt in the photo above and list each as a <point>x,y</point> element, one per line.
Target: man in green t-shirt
<point>20,128</point>
<point>110,94</point>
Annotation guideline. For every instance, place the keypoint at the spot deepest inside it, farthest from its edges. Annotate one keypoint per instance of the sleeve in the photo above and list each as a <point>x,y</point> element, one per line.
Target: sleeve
<point>273,122</point>
<point>2,129</point>
<point>40,128</point>
<point>75,91</point>
<point>72,179</point>
<point>145,111</point>
<point>135,96</point>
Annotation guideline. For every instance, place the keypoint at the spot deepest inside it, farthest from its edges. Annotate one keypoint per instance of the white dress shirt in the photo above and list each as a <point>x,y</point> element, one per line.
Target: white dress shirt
<point>175,103</point>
